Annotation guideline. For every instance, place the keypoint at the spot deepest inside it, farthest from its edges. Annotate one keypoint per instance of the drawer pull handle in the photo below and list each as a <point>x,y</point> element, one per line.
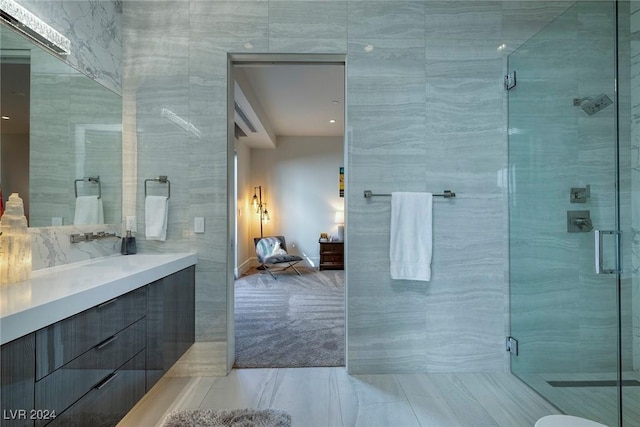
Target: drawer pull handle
<point>107,380</point>
<point>104,304</point>
<point>106,342</point>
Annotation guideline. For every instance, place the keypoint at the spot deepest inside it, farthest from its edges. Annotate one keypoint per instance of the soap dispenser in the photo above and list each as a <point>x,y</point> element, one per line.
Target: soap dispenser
<point>128,244</point>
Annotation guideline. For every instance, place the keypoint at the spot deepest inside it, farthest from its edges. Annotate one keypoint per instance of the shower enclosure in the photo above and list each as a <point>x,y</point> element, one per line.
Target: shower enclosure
<point>574,178</point>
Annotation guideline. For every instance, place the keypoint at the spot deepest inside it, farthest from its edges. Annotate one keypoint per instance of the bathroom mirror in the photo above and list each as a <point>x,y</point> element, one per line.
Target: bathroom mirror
<point>58,126</point>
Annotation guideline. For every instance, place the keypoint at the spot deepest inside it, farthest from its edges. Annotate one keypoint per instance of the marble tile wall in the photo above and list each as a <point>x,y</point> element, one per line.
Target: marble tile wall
<point>94,28</point>
<point>51,246</point>
<point>426,113</point>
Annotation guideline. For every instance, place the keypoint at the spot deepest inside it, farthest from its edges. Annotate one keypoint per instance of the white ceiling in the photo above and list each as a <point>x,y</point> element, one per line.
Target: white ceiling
<point>298,99</point>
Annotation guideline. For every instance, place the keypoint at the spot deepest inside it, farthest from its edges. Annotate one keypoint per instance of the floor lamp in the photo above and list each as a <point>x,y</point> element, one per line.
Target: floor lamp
<point>260,206</point>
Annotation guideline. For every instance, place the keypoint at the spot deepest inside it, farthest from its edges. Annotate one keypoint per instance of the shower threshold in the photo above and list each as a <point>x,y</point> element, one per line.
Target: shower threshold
<point>593,383</point>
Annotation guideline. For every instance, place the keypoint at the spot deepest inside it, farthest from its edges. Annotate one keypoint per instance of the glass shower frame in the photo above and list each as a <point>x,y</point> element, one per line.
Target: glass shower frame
<point>575,328</point>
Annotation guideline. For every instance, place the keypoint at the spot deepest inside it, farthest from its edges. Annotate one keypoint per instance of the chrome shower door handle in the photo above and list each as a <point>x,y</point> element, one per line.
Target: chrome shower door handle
<point>599,244</point>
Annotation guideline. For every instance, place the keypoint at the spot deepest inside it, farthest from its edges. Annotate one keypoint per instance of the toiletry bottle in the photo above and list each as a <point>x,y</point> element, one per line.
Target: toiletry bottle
<point>128,246</point>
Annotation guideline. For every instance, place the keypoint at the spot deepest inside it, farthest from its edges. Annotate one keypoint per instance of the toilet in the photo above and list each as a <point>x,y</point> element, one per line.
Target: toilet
<point>566,421</point>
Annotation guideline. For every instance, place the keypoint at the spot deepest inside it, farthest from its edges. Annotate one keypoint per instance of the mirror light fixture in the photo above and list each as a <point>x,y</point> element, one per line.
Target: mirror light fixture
<point>33,27</point>
<point>260,207</point>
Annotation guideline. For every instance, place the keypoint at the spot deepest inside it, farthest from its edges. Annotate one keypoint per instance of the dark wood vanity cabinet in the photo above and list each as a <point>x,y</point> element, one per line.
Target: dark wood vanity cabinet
<point>92,329</point>
<point>91,369</point>
<point>18,374</point>
<point>170,322</point>
<point>109,401</point>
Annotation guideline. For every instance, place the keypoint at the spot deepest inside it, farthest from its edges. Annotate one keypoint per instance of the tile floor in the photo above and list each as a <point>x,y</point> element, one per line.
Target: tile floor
<point>603,401</point>
<point>329,397</point>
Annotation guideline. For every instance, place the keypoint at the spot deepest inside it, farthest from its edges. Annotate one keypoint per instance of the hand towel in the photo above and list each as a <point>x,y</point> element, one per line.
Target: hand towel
<point>156,211</point>
<point>411,236</point>
<point>89,210</point>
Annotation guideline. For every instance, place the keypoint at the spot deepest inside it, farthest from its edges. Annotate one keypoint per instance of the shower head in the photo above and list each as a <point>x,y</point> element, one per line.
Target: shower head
<point>592,106</point>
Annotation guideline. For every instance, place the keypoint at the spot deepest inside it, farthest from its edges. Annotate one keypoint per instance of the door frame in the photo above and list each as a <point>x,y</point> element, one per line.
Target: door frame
<point>280,58</point>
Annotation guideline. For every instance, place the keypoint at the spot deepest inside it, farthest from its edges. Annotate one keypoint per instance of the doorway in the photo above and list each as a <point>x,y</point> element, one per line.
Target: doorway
<point>287,114</point>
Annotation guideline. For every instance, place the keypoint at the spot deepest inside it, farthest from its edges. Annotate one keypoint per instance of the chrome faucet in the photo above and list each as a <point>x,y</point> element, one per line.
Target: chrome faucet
<point>87,237</point>
<point>584,223</point>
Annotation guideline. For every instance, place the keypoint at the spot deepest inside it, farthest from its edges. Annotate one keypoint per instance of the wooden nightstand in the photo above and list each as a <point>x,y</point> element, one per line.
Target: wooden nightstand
<point>331,255</point>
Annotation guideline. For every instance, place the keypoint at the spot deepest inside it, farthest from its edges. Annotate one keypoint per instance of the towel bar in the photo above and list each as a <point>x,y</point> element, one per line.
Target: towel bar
<point>95,179</point>
<point>447,194</point>
<point>161,179</point>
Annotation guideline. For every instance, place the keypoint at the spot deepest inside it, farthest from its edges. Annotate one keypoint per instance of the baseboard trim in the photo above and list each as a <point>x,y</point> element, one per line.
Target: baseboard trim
<point>245,266</point>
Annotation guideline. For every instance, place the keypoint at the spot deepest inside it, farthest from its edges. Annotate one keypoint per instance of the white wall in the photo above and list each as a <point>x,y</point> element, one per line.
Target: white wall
<point>244,244</point>
<point>299,182</point>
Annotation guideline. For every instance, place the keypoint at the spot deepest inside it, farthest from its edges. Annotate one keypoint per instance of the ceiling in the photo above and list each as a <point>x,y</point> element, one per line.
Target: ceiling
<point>294,99</point>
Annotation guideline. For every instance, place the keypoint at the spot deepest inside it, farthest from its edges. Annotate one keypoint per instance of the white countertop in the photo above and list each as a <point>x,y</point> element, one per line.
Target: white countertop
<point>55,293</point>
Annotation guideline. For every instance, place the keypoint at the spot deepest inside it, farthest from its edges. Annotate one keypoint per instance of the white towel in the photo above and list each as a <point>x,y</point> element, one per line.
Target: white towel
<point>156,211</point>
<point>411,236</point>
<point>89,210</point>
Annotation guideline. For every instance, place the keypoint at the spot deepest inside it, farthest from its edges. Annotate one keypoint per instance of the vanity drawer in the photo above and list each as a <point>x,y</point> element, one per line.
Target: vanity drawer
<point>121,312</point>
<point>63,341</point>
<point>61,388</point>
<point>108,401</point>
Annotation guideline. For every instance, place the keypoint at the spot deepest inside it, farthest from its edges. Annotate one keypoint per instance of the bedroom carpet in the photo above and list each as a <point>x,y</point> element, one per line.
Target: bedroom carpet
<point>295,321</point>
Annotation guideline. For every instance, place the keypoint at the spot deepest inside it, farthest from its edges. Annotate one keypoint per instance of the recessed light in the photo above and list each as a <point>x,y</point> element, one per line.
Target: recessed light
<point>248,45</point>
<point>5,117</point>
<point>368,48</point>
<point>332,120</point>
<point>335,102</point>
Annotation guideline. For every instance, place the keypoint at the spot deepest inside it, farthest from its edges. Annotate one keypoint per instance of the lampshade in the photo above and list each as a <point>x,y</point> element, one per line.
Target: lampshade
<point>339,218</point>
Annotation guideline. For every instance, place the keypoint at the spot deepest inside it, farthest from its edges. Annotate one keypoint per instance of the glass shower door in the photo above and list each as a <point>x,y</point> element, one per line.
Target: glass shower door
<point>564,174</point>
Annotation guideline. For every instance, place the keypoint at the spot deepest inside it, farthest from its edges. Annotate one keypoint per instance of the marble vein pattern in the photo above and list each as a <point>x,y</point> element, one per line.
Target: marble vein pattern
<point>94,29</point>
<point>329,397</point>
<point>51,246</point>
<point>410,127</point>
